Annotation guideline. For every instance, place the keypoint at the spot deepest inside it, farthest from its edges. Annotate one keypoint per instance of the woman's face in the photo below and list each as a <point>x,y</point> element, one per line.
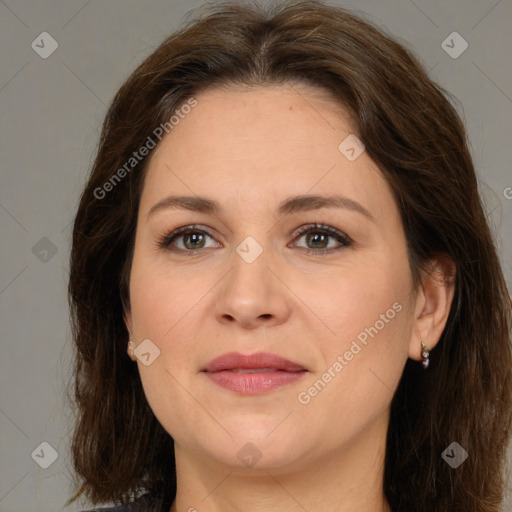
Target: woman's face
<point>322,282</point>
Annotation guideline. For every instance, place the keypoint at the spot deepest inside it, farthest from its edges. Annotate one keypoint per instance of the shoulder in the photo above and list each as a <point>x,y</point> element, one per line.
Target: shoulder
<point>142,504</point>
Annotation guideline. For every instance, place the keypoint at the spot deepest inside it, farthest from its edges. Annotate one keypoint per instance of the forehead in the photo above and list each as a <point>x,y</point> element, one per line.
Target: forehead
<point>262,142</point>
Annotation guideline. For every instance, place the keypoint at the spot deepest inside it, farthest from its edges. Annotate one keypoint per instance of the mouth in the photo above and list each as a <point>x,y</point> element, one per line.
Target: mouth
<point>253,374</point>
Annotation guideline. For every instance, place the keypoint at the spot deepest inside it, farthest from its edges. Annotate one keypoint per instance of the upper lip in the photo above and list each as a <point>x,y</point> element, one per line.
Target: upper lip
<point>235,360</point>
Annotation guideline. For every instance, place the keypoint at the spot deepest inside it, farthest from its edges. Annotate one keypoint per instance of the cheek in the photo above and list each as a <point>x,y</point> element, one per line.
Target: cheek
<point>355,297</point>
<point>367,311</point>
<point>363,360</point>
<point>168,307</point>
<point>149,305</point>
<point>164,310</point>
<point>159,298</point>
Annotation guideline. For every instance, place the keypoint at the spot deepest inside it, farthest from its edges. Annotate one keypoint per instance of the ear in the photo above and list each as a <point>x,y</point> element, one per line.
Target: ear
<point>433,303</point>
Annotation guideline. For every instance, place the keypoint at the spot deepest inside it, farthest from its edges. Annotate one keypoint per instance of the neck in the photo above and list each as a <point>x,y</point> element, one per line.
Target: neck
<point>349,479</point>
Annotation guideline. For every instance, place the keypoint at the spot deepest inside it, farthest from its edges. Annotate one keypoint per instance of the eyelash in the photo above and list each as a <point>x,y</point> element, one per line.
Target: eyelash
<point>165,241</point>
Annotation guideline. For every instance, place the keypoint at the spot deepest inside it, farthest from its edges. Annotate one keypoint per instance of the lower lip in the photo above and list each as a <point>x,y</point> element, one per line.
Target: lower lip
<point>254,383</point>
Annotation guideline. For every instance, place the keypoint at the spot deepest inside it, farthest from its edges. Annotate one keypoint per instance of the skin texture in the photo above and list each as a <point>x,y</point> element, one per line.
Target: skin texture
<point>249,149</point>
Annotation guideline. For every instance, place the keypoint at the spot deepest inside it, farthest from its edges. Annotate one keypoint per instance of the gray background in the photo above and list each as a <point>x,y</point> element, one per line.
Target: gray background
<point>51,114</point>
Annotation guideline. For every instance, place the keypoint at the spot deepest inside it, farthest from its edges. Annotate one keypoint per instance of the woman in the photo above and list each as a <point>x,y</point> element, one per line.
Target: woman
<point>285,294</point>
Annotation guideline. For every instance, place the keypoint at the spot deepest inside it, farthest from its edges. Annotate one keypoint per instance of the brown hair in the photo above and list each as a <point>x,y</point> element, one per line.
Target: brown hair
<point>411,130</point>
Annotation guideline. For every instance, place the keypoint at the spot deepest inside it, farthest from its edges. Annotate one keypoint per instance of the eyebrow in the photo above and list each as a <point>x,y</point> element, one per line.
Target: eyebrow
<point>291,205</point>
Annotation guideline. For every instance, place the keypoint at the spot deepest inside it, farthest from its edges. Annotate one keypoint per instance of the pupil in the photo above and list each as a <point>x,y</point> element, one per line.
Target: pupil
<point>316,236</point>
<point>194,237</point>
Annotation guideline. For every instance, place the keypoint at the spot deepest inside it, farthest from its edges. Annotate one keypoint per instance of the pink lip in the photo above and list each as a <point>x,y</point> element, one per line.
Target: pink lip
<point>227,372</point>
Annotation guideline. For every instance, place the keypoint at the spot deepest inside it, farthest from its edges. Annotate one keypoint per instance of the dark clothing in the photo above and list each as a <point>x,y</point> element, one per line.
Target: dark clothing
<point>143,504</point>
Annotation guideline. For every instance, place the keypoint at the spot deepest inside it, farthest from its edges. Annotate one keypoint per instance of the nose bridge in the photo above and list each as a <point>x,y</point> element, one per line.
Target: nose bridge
<point>251,294</point>
<point>248,281</point>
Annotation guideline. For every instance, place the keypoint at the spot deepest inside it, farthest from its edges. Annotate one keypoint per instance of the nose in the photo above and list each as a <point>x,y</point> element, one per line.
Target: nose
<point>252,296</point>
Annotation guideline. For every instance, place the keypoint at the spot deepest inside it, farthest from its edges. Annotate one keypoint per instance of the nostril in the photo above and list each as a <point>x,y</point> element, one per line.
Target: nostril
<point>266,315</point>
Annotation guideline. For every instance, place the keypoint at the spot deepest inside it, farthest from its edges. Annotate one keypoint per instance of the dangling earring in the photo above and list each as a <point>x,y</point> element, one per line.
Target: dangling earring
<point>425,356</point>
<point>131,347</point>
<point>131,344</point>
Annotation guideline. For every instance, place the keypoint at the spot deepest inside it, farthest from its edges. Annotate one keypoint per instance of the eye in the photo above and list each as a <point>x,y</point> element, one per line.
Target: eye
<point>320,239</point>
<point>187,239</point>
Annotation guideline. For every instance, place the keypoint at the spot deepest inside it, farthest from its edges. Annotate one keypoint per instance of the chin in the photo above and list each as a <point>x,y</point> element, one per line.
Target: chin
<point>254,456</point>
<point>257,446</point>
